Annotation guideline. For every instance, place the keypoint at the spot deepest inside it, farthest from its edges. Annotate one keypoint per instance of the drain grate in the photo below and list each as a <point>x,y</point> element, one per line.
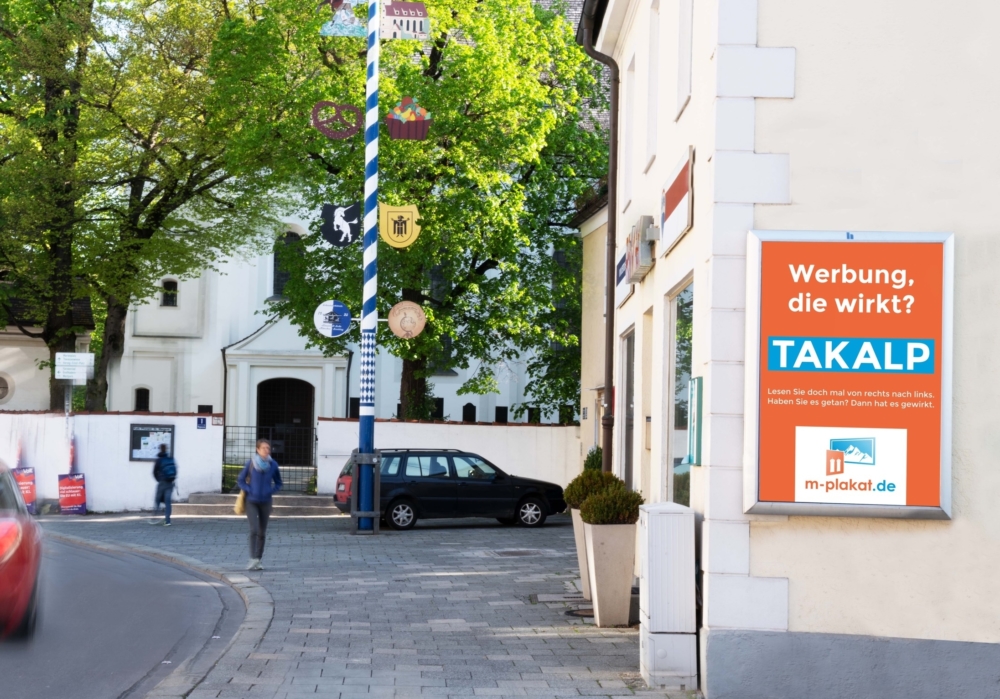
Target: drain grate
<point>586,613</point>
<point>517,553</point>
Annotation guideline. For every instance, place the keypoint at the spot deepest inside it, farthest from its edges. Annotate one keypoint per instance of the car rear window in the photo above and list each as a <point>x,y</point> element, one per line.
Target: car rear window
<point>390,465</point>
<point>9,497</point>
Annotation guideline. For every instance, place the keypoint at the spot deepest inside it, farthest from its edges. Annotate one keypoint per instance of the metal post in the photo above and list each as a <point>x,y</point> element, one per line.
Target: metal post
<point>369,314</point>
<point>68,405</point>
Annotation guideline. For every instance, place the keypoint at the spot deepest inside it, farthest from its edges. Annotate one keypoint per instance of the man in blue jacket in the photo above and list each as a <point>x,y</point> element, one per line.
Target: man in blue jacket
<point>259,479</point>
<point>165,473</point>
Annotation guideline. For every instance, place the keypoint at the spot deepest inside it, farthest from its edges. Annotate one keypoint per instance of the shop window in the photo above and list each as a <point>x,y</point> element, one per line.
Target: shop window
<point>169,296</point>
<point>142,400</point>
<point>683,307</point>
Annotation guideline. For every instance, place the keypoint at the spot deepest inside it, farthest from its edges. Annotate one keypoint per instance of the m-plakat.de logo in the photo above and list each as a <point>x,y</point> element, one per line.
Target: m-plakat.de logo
<point>834,464</point>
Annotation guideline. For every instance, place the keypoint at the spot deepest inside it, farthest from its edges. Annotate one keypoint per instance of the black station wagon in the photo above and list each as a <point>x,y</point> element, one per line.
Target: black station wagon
<point>444,483</point>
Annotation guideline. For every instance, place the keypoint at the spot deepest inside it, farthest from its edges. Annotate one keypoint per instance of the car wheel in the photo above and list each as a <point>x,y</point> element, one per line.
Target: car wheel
<point>531,513</point>
<point>507,521</point>
<point>26,629</point>
<point>401,515</point>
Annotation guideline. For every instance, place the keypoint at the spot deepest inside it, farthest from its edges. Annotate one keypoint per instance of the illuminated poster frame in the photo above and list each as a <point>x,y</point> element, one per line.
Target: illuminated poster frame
<point>794,428</point>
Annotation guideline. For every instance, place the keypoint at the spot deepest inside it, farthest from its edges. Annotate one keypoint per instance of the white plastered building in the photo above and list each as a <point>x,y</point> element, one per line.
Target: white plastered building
<point>806,116</point>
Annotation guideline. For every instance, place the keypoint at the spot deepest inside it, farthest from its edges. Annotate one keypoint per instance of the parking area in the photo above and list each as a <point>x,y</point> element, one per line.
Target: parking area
<point>452,608</point>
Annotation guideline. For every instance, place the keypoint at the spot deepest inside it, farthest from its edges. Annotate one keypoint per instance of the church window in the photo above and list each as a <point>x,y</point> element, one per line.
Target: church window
<point>169,297</point>
<point>281,276</point>
<point>142,400</point>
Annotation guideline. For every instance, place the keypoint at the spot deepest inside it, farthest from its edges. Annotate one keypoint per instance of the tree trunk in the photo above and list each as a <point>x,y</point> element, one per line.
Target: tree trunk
<point>58,329</point>
<point>413,399</point>
<point>113,347</point>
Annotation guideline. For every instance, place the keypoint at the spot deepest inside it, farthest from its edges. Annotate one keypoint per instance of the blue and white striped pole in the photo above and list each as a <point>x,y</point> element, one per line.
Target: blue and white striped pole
<point>369,314</point>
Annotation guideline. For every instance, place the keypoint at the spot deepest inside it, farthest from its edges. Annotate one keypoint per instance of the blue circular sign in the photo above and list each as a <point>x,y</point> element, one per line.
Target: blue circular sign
<point>332,319</point>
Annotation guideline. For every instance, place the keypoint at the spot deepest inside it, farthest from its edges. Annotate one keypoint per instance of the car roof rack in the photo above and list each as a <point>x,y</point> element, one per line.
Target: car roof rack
<point>420,449</point>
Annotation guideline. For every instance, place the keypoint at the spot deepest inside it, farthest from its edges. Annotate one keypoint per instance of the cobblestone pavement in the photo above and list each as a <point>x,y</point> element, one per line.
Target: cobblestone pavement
<point>450,609</point>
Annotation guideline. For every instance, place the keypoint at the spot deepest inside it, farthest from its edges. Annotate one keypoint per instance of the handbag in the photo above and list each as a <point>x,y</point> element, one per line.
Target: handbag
<point>240,507</point>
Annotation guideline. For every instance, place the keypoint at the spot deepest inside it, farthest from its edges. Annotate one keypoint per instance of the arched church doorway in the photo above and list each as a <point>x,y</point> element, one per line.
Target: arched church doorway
<point>285,417</point>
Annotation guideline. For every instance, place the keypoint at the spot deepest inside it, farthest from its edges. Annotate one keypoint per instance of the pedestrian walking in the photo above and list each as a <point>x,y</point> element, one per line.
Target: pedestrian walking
<point>165,473</point>
<point>260,479</point>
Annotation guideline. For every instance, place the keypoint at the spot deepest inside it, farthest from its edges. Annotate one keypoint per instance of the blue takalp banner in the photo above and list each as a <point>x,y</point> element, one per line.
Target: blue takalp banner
<point>851,354</point>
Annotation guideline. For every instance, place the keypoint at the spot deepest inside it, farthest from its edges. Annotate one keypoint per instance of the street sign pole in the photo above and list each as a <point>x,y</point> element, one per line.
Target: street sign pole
<point>369,314</point>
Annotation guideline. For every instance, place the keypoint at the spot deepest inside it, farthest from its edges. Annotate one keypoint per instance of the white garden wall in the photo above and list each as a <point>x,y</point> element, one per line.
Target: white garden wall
<point>114,484</point>
<point>546,452</point>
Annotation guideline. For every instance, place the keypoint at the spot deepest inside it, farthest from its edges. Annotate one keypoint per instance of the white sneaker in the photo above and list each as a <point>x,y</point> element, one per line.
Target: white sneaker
<point>258,566</point>
<point>252,565</point>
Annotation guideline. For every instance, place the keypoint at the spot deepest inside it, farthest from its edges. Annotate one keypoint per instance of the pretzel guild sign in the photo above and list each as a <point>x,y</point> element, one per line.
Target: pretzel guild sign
<point>341,124</point>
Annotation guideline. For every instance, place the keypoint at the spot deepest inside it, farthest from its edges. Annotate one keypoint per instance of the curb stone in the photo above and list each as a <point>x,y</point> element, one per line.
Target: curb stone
<point>259,612</point>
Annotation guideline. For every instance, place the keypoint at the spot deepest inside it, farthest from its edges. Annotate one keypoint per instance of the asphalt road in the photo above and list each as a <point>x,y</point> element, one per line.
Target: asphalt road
<point>113,625</point>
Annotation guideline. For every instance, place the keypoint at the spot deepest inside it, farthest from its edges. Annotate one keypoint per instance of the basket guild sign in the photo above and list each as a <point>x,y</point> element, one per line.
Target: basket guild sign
<point>332,319</point>
<point>407,319</point>
<point>397,225</point>
<point>341,223</point>
<point>340,124</point>
<point>408,121</point>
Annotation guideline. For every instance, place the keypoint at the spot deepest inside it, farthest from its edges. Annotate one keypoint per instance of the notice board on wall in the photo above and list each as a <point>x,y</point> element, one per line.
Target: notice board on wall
<point>848,365</point>
<point>145,441</point>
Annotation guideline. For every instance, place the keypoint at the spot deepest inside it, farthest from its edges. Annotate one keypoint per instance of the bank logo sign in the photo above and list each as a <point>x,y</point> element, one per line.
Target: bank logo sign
<point>834,465</point>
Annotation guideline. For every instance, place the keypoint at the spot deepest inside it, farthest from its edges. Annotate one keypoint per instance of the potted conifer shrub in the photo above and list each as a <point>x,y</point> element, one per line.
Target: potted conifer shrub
<point>579,489</point>
<point>609,518</point>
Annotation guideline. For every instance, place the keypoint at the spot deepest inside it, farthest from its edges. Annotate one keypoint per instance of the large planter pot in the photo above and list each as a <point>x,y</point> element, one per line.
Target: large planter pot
<point>581,551</point>
<point>610,553</point>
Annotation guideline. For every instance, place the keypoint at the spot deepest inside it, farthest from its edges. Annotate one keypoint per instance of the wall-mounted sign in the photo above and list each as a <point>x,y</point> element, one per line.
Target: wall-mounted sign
<point>218,421</point>
<point>202,423</point>
<point>337,121</point>
<point>341,224</point>
<point>677,203</point>
<point>407,319</point>
<point>332,318</point>
<point>408,121</point>
<point>146,440</point>
<point>344,22</point>
<point>638,251</point>
<point>404,20</point>
<point>72,494</point>
<point>623,287</point>
<point>849,354</point>
<point>397,225</point>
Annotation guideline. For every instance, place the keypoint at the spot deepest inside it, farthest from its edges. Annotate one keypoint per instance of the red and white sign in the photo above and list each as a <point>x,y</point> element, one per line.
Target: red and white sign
<point>676,202</point>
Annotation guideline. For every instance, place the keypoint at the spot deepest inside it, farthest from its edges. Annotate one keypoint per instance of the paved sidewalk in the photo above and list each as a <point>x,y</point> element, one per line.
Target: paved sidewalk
<point>449,609</point>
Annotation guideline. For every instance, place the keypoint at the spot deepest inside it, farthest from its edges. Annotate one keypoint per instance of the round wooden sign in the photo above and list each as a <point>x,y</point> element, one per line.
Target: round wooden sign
<point>407,319</point>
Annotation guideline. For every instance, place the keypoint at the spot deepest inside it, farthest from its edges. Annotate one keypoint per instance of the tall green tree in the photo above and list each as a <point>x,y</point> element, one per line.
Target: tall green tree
<point>509,151</point>
<point>129,149</point>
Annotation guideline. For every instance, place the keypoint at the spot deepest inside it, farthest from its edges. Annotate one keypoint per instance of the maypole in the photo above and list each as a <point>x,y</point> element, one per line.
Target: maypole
<point>369,312</point>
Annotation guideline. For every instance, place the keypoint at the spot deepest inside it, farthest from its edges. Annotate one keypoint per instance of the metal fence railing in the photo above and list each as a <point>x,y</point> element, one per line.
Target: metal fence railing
<point>294,448</point>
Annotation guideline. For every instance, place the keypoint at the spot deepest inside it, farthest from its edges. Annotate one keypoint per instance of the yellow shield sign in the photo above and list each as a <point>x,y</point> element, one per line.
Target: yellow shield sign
<point>397,225</point>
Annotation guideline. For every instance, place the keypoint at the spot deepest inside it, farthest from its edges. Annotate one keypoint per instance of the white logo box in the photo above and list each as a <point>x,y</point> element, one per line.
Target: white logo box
<point>812,484</point>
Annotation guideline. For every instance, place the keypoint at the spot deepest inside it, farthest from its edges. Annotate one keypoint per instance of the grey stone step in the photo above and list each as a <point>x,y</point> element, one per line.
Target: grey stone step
<point>279,500</point>
<point>279,510</point>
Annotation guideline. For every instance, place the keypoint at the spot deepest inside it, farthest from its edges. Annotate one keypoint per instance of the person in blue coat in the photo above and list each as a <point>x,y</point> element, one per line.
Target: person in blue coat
<point>260,479</point>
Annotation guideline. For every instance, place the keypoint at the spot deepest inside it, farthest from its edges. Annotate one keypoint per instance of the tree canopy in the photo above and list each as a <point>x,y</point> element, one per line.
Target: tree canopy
<point>509,151</point>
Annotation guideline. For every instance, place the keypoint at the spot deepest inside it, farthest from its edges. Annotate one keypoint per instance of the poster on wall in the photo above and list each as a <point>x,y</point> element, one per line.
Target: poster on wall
<point>848,410</point>
<point>146,440</point>
<point>25,478</point>
<point>623,287</point>
<point>72,494</point>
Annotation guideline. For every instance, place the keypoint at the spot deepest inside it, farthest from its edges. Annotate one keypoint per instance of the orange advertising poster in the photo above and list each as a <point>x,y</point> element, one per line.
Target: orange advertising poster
<point>851,360</point>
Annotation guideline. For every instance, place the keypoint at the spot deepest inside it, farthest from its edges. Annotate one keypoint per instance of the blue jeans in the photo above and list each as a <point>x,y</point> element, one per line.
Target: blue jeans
<point>164,491</point>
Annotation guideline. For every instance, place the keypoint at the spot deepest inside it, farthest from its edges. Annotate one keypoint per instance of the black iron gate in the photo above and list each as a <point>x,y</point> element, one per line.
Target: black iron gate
<point>293,447</point>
